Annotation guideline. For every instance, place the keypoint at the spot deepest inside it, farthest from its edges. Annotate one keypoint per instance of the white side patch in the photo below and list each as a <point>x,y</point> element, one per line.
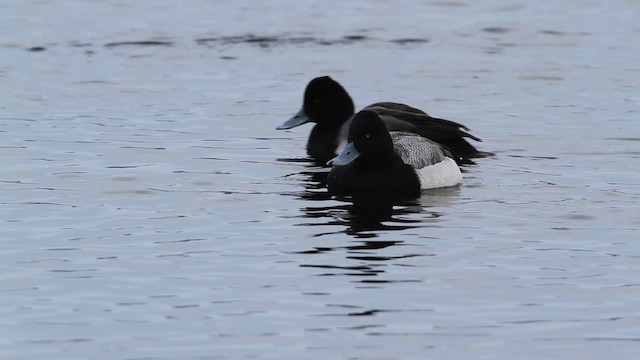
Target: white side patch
<point>341,142</point>
<point>443,174</point>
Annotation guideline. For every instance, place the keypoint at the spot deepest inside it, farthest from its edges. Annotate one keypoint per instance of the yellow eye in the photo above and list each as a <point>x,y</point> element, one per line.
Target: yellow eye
<point>367,135</point>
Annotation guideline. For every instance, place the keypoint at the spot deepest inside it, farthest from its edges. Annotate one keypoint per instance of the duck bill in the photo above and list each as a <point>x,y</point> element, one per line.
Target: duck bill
<point>346,157</point>
<point>298,119</point>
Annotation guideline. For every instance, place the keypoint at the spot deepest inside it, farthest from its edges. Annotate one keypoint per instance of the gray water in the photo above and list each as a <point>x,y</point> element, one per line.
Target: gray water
<point>150,210</point>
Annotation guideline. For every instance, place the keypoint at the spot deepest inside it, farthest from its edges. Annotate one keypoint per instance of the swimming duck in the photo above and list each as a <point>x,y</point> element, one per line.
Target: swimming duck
<point>328,104</point>
<point>399,162</point>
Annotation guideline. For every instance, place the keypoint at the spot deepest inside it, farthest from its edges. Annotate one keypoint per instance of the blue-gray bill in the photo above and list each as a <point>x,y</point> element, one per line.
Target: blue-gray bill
<point>346,157</point>
<point>296,120</point>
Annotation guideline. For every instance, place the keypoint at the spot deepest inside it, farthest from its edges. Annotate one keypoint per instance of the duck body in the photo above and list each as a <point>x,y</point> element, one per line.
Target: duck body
<point>378,161</point>
<point>396,178</point>
<point>435,165</point>
<point>328,104</point>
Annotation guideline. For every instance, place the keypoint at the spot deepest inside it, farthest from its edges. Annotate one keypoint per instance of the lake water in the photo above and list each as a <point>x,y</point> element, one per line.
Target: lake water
<point>150,210</point>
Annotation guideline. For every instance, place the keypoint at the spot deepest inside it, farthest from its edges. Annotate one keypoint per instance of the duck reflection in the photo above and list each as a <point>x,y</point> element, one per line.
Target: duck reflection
<point>370,219</point>
<point>364,214</point>
<point>313,179</point>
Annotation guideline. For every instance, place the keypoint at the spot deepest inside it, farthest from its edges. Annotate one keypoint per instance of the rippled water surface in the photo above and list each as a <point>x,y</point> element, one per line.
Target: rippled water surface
<point>150,210</point>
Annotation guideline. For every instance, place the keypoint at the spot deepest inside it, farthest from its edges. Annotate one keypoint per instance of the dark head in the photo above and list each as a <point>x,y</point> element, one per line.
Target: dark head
<point>369,142</point>
<point>325,102</point>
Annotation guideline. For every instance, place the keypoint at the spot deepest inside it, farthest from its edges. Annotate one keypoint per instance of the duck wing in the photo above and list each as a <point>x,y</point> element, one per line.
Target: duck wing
<point>406,118</point>
<point>418,151</point>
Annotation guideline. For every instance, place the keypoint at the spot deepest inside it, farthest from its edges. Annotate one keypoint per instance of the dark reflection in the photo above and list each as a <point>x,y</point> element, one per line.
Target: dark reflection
<point>364,220</point>
<point>366,213</point>
<point>363,260</point>
<point>313,178</point>
<point>364,245</point>
<point>366,217</point>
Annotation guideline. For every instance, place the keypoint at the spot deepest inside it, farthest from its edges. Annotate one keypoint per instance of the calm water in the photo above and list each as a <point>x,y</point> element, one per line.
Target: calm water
<point>150,210</point>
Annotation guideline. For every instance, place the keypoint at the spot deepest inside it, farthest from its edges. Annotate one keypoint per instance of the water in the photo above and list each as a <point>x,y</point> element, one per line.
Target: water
<point>150,210</point>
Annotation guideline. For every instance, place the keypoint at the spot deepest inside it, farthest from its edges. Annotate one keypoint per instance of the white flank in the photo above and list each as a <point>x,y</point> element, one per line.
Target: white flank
<point>443,174</point>
<point>341,142</point>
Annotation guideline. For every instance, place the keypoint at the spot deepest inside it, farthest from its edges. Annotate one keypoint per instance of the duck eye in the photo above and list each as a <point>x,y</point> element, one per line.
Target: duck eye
<point>367,135</point>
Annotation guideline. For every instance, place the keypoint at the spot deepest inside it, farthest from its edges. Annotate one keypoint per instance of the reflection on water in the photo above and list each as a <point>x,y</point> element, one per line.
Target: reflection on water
<point>313,179</point>
<point>367,255</point>
<point>364,215</point>
<point>367,219</point>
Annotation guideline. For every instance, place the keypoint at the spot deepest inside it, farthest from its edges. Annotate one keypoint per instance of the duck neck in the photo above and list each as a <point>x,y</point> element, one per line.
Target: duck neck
<point>323,142</point>
<point>379,161</point>
<point>337,116</point>
<point>336,112</point>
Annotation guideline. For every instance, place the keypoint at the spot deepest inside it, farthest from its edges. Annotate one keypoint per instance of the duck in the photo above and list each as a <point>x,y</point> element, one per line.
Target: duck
<point>327,104</point>
<point>376,160</point>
